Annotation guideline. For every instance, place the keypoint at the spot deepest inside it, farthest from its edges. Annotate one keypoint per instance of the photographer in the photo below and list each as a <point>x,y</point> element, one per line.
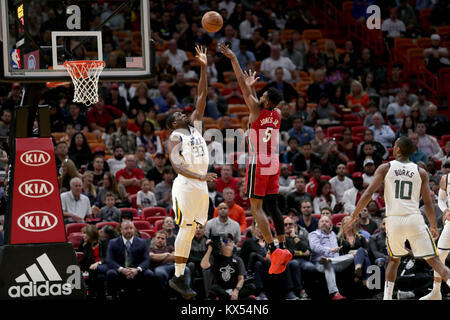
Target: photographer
<point>228,269</point>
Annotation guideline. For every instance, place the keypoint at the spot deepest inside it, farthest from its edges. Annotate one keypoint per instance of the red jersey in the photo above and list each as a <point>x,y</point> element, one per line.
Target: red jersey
<point>263,141</point>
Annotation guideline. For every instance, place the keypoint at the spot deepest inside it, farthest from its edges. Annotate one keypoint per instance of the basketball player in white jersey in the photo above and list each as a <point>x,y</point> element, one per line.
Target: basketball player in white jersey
<point>404,183</point>
<point>188,154</point>
<point>444,240</point>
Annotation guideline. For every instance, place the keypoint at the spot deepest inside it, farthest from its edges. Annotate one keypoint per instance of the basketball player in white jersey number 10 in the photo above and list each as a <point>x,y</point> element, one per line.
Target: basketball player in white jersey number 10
<point>404,183</point>
<point>188,154</point>
<point>444,240</point>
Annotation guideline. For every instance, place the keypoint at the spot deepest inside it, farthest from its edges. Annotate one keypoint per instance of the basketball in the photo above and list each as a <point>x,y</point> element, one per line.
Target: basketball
<point>212,21</point>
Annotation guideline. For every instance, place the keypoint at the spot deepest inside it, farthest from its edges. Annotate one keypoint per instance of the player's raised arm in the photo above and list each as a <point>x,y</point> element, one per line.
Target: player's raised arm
<point>202,89</point>
<point>428,202</point>
<point>379,175</point>
<point>250,99</point>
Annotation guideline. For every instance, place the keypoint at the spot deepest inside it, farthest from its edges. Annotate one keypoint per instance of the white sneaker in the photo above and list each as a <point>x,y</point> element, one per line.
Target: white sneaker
<point>433,295</point>
<point>405,295</point>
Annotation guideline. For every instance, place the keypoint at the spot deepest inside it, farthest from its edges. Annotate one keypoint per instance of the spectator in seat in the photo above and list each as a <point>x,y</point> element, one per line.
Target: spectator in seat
<point>98,169</point>
<point>324,198</point>
<point>233,93</point>
<point>235,211</point>
<point>143,162</point>
<point>325,255</point>
<point>377,246</point>
<point>148,138</point>
<point>226,179</point>
<point>408,125</point>
<point>176,56</point>
<point>286,117</point>
<point>228,271</point>
<point>230,36</point>
<point>382,133</point>
<point>306,220</point>
<point>145,197</point>
<point>436,57</point>
<point>287,185</point>
<point>123,137</point>
<point>296,56</point>
<point>61,154</point>
<point>101,114</point>
<point>75,206</point>
<point>351,196</point>
<point>223,224</point>
<point>189,74</point>
<point>319,86</point>
<point>93,261</point>
<point>406,13</point>
<point>315,59</point>
<point>428,143</point>
<point>292,150</point>
<point>14,97</point>
<point>215,198</point>
<point>198,250</point>
<point>75,118</point>
<point>179,88</point>
<point>79,150</point>
<point>302,132</point>
<point>340,183</point>
<point>332,158</point>
<point>241,198</point>
<point>346,144</point>
<point>165,71</point>
<point>259,46</point>
<point>313,183</point>
<point>88,188</point>
<point>118,162</point>
<point>270,65</point>
<point>369,170</point>
<point>287,90</point>
<point>366,223</point>
<point>115,99</point>
<point>392,27</point>
<point>109,212</point>
<point>295,198</point>
<point>163,190</point>
<point>245,57</point>
<point>418,155</point>
<point>358,99</point>
<point>422,103</point>
<point>128,263</point>
<point>398,110</point>
<point>305,161</point>
<point>319,145</point>
<point>140,101</point>
<point>130,176</point>
<point>353,243</point>
<point>155,175</point>
<point>367,153</point>
<point>437,124</point>
<point>110,185</point>
<point>325,110</point>
<point>379,148</point>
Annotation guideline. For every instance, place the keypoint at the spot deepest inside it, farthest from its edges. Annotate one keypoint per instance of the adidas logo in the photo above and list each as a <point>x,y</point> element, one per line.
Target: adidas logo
<point>39,281</point>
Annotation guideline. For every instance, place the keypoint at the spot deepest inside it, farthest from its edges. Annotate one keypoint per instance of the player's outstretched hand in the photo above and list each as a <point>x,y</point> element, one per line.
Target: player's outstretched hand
<point>210,176</point>
<point>201,55</point>
<point>250,77</point>
<point>226,51</point>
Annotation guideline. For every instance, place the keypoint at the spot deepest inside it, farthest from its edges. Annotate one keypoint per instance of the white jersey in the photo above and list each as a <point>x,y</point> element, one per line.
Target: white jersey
<point>193,156</point>
<point>402,186</point>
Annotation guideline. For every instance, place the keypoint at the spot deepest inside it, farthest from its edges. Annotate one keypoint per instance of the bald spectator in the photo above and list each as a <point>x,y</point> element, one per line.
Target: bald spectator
<point>269,65</point>
<point>437,124</point>
<point>130,176</point>
<point>235,211</point>
<point>230,36</point>
<point>75,206</point>
<point>164,70</point>
<point>176,56</point>
<point>161,100</point>
<point>101,114</point>
<point>123,137</point>
<point>382,133</point>
<point>319,86</point>
<point>226,179</point>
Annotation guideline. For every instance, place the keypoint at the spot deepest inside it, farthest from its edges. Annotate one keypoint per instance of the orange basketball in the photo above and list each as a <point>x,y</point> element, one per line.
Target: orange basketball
<point>212,21</point>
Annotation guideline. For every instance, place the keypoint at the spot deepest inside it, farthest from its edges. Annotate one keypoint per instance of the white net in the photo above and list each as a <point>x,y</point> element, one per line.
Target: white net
<point>85,75</point>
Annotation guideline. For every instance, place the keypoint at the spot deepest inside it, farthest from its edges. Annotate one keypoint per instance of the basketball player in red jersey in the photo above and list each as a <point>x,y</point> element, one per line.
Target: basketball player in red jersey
<point>263,170</point>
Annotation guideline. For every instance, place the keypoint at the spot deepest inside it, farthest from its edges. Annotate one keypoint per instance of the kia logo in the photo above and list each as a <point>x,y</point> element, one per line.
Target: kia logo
<point>37,221</point>
<point>36,188</point>
<point>35,158</point>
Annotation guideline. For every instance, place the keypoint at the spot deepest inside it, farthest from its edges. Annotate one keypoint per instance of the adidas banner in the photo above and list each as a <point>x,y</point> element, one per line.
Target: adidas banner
<point>36,215</point>
<point>40,272</point>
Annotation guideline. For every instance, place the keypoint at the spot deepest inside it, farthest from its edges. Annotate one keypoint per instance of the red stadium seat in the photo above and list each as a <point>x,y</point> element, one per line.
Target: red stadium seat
<point>351,117</point>
<point>74,227</point>
<point>158,225</point>
<point>350,167</point>
<point>79,257</point>
<point>445,138</point>
<point>337,218</point>
<point>152,220</point>
<point>335,130</point>
<point>316,215</point>
<point>142,225</point>
<point>107,223</point>
<point>358,131</point>
<point>153,211</point>
<point>133,199</point>
<point>133,210</point>
<point>75,238</point>
<point>144,235</point>
<point>249,221</point>
<point>325,178</point>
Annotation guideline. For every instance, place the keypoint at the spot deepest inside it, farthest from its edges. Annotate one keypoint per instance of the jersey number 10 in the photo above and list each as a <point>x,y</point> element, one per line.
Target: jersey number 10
<point>400,191</point>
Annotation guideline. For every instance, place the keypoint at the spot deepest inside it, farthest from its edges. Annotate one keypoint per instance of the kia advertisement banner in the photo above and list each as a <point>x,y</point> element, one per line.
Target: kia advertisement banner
<point>36,209</point>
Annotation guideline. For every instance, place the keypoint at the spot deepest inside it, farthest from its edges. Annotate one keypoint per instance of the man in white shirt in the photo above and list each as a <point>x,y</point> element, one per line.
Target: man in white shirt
<point>382,133</point>
<point>287,185</point>
<point>352,195</point>
<point>176,56</point>
<point>393,27</point>
<point>436,53</point>
<point>249,25</point>
<point>269,65</point>
<point>118,162</point>
<point>369,170</point>
<point>340,183</point>
<point>75,206</point>
<point>398,110</point>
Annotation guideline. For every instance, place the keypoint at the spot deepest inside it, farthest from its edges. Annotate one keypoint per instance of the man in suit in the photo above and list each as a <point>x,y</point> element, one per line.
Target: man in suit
<point>128,261</point>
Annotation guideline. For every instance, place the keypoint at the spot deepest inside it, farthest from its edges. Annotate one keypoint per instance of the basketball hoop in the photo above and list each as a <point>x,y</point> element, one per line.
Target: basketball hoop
<point>85,75</point>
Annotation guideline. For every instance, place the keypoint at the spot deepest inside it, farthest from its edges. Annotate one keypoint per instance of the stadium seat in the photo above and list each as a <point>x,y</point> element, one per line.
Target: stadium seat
<point>312,34</point>
<point>113,224</point>
<point>334,130</point>
<point>316,215</point>
<point>133,199</point>
<point>351,117</point>
<point>438,164</point>
<point>350,167</point>
<point>352,124</point>
<point>445,138</point>
<point>423,42</point>
<point>75,238</point>
<point>325,177</point>
<point>152,220</point>
<point>133,210</point>
<point>96,146</point>
<point>74,227</point>
<point>424,19</point>
<point>142,225</point>
<point>357,140</point>
<point>79,257</point>
<point>144,235</point>
<point>337,218</point>
<point>233,108</point>
<point>91,137</point>
<point>359,131</point>
<point>444,32</point>
<point>158,225</point>
<point>153,211</point>
<point>249,221</point>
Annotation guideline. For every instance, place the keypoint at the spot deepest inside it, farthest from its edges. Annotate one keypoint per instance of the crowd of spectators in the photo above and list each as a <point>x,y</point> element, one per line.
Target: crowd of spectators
<point>112,156</point>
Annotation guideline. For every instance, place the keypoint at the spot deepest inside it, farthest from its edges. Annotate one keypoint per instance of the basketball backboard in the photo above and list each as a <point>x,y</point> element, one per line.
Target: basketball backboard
<point>39,35</point>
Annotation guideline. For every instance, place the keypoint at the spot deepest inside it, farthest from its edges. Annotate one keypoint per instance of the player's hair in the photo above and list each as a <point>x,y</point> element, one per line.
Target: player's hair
<point>274,96</point>
<point>170,120</point>
<point>406,146</point>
